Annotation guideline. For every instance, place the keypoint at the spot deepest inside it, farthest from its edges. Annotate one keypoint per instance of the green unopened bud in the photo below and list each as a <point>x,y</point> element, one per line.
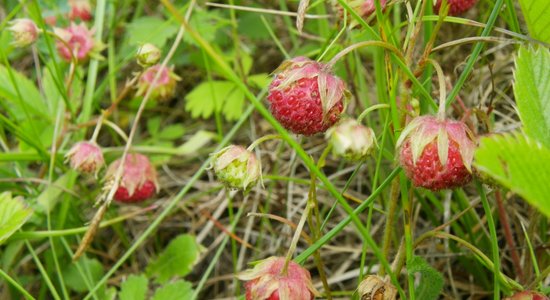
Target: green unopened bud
<point>148,55</point>
<point>237,167</point>
<point>351,140</point>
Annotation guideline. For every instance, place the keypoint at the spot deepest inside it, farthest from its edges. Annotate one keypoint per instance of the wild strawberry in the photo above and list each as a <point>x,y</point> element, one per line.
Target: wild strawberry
<point>237,167</point>
<point>373,287</point>
<point>138,181</point>
<point>77,41</point>
<point>436,154</point>
<point>148,55</point>
<point>351,140</point>
<point>363,8</point>
<point>80,9</point>
<point>305,97</point>
<point>266,281</point>
<point>527,295</point>
<point>165,85</point>
<point>24,32</point>
<point>85,157</point>
<point>456,7</point>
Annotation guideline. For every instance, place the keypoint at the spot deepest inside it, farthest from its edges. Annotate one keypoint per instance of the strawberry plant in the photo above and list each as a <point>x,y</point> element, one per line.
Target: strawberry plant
<point>295,150</point>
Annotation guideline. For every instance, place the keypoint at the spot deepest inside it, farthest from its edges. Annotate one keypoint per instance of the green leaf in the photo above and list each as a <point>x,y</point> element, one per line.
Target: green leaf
<point>49,198</point>
<point>532,92</point>
<point>153,125</point>
<point>134,288</point>
<point>177,259</point>
<point>31,100</point>
<point>171,132</point>
<point>176,290</point>
<point>206,23</point>
<point>14,212</point>
<point>537,17</point>
<point>520,164</point>
<point>150,30</point>
<point>83,274</point>
<point>431,281</point>
<point>260,81</point>
<point>215,96</point>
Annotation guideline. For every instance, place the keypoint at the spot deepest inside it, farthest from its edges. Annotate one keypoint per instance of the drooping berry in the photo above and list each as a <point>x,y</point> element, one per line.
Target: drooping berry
<point>148,55</point>
<point>436,154</point>
<point>375,288</point>
<point>86,157</point>
<point>24,32</point>
<point>80,9</point>
<point>351,140</point>
<point>456,7</point>
<point>138,181</point>
<point>237,167</point>
<point>266,281</point>
<point>77,41</point>
<point>364,8</point>
<point>163,88</point>
<point>305,97</point>
<point>528,295</point>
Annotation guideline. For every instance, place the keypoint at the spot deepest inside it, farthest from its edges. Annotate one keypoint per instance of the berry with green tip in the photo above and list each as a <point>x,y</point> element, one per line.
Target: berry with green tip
<point>148,55</point>
<point>436,154</point>
<point>237,167</point>
<point>351,140</point>
<point>305,97</point>
<point>266,281</point>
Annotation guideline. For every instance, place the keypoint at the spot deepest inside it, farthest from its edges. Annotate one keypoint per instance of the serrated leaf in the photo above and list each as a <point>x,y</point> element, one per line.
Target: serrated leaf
<point>73,274</point>
<point>150,30</point>
<point>520,164</point>
<point>177,259</point>
<point>171,132</point>
<point>211,96</point>
<point>176,290</point>
<point>532,92</point>
<point>134,288</point>
<point>537,17</point>
<point>431,281</point>
<point>14,212</point>
<point>30,100</point>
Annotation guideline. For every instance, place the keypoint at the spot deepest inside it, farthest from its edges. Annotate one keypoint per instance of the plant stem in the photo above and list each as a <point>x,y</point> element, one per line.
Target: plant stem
<point>369,109</point>
<point>263,139</point>
<point>390,217</point>
<point>347,50</point>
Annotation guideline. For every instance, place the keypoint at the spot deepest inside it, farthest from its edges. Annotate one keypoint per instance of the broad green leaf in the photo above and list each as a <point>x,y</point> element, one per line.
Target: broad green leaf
<point>153,125</point>
<point>14,212</point>
<point>171,132</point>
<point>177,259</point>
<point>537,17</point>
<point>30,100</point>
<point>211,96</point>
<point>532,92</point>
<point>150,30</point>
<point>134,288</point>
<point>519,163</point>
<point>176,290</point>
<point>82,275</point>
<point>431,281</point>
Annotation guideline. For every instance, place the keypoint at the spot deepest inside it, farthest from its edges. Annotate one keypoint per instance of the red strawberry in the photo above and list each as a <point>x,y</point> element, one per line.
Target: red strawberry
<point>527,295</point>
<point>265,281</point>
<point>138,181</point>
<point>363,8</point>
<point>456,7</point>
<point>305,97</point>
<point>436,154</point>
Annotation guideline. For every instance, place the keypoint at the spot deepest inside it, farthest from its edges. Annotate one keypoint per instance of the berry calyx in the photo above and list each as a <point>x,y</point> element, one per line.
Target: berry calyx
<point>85,157</point>
<point>77,41</point>
<point>351,140</point>
<point>163,88</point>
<point>138,181</point>
<point>265,281</point>
<point>456,7</point>
<point>305,97</point>
<point>528,295</point>
<point>374,287</point>
<point>436,153</point>
<point>237,167</point>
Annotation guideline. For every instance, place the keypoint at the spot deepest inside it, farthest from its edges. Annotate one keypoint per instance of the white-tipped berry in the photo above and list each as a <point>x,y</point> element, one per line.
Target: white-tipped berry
<point>237,167</point>
<point>266,281</point>
<point>85,157</point>
<point>77,41</point>
<point>351,140</point>
<point>148,55</point>
<point>138,181</point>
<point>374,288</point>
<point>165,85</point>
<point>80,9</point>
<point>24,32</point>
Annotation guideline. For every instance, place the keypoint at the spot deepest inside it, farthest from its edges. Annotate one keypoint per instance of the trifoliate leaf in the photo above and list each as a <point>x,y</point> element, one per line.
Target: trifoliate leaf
<point>13,214</point>
<point>537,17</point>
<point>215,96</point>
